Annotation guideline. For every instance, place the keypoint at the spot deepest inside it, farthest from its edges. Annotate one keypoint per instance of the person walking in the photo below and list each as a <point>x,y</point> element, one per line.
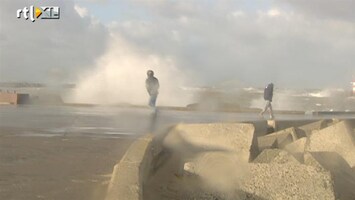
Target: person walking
<point>152,86</point>
<point>268,94</point>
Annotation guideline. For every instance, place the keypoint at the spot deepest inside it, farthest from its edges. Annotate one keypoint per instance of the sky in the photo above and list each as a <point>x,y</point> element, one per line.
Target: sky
<point>293,43</point>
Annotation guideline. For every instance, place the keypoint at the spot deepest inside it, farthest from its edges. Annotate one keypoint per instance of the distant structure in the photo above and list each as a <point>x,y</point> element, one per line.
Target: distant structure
<point>353,84</point>
<point>13,98</point>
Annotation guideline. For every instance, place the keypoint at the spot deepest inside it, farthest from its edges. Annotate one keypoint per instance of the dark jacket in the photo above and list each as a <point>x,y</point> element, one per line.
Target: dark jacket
<point>269,92</point>
<point>152,85</point>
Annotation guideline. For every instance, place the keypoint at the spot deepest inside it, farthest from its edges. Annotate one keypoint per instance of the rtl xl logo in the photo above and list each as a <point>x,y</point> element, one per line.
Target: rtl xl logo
<point>43,12</point>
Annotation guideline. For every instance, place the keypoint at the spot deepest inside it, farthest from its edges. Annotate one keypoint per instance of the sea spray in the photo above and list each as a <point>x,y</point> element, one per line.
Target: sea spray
<point>119,78</point>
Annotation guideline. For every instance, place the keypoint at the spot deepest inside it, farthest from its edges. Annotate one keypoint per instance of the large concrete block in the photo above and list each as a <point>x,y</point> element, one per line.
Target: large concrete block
<point>284,124</point>
<point>275,156</point>
<point>130,173</point>
<point>260,126</point>
<point>336,138</point>
<point>342,174</point>
<point>218,169</point>
<point>306,130</point>
<point>278,139</point>
<point>190,140</point>
<point>297,146</point>
<point>261,129</point>
<point>288,181</point>
<point>311,161</point>
<point>125,182</point>
<point>271,126</point>
<point>351,122</point>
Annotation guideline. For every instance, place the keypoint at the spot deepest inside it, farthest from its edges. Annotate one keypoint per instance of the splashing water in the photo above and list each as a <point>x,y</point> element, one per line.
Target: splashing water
<point>119,78</point>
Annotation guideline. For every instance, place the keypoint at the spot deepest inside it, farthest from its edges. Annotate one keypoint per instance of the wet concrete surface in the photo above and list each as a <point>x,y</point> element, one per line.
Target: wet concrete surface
<point>66,152</point>
<point>115,121</point>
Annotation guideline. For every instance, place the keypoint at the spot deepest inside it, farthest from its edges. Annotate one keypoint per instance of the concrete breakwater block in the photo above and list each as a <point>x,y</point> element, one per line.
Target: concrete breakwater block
<point>271,126</point>
<point>297,146</point>
<point>297,149</point>
<point>260,127</point>
<point>309,160</point>
<point>129,174</point>
<point>288,181</point>
<point>275,156</point>
<point>306,130</point>
<point>342,175</point>
<point>351,122</point>
<point>285,124</point>
<point>212,161</point>
<point>278,139</point>
<point>219,171</point>
<point>189,140</point>
<point>337,138</point>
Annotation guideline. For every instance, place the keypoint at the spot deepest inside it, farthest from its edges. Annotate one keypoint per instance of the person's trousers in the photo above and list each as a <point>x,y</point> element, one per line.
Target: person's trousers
<point>152,100</point>
<point>268,106</point>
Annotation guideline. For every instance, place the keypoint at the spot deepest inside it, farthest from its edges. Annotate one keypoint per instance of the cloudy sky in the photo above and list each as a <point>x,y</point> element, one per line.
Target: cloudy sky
<point>293,43</point>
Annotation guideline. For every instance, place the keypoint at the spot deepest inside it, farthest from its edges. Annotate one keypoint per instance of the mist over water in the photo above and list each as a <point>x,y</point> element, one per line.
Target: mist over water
<point>327,99</point>
<point>119,78</point>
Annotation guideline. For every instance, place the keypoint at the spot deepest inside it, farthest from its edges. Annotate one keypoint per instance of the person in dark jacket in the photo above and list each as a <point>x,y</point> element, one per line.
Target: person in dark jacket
<point>152,86</point>
<point>268,94</point>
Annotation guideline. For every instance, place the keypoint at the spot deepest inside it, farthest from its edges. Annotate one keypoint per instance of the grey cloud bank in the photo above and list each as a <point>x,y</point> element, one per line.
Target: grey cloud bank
<point>47,50</point>
<point>220,42</point>
<point>212,42</point>
<point>330,9</point>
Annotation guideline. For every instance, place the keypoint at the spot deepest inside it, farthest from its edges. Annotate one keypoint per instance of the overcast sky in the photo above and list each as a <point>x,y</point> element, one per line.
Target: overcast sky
<point>293,43</point>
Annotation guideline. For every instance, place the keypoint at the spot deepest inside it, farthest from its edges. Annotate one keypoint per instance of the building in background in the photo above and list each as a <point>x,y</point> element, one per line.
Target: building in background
<point>14,98</point>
